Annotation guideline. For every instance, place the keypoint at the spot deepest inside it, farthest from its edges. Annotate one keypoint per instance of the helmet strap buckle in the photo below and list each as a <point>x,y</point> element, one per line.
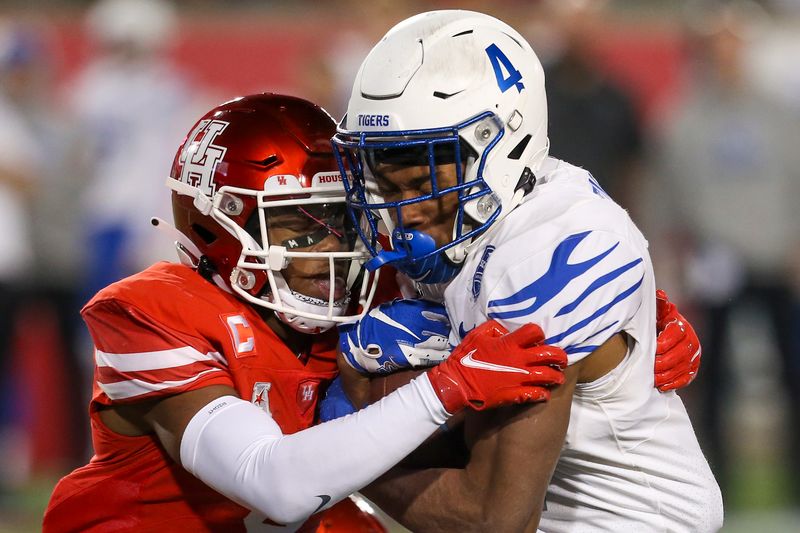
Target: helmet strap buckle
<point>526,182</point>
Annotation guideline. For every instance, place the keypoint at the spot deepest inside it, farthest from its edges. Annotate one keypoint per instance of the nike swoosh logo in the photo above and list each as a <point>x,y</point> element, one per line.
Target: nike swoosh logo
<point>471,362</point>
<point>383,317</point>
<point>445,96</point>
<point>325,499</point>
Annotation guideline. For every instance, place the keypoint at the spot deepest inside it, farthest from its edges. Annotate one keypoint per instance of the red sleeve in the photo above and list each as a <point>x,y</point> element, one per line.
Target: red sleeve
<point>138,357</point>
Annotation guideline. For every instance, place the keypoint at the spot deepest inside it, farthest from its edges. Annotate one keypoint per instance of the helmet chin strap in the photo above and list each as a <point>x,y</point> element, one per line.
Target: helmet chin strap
<point>188,253</point>
<point>290,300</point>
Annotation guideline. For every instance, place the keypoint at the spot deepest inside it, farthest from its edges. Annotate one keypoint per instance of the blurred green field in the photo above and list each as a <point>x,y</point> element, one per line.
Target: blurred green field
<point>758,501</point>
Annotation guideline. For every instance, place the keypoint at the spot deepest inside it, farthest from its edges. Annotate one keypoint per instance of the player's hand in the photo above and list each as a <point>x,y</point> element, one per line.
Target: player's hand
<point>678,349</point>
<point>492,367</point>
<point>397,334</point>
<point>335,404</point>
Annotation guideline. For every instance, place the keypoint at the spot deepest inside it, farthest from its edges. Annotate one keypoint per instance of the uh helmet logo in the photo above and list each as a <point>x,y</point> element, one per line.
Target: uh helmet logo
<point>200,157</point>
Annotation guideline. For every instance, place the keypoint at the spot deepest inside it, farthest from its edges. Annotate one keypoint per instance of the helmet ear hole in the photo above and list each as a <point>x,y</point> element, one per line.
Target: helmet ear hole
<point>516,153</point>
<point>204,233</point>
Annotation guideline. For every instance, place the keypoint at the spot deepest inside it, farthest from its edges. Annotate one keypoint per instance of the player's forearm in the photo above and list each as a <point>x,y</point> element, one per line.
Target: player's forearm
<point>288,477</point>
<point>514,452</point>
<point>442,500</point>
<point>400,493</point>
<point>430,500</point>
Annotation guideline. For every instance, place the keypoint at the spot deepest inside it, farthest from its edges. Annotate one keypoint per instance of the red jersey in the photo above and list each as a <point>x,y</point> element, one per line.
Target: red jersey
<point>161,332</point>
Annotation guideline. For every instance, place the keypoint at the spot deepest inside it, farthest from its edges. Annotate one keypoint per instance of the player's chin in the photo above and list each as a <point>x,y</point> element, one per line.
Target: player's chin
<point>442,229</point>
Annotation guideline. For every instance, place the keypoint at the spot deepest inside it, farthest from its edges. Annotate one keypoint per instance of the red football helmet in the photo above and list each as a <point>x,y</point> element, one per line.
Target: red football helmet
<point>257,192</point>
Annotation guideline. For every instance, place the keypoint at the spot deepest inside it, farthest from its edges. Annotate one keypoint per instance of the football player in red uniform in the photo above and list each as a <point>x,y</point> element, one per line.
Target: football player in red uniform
<point>208,372</point>
<point>241,327</point>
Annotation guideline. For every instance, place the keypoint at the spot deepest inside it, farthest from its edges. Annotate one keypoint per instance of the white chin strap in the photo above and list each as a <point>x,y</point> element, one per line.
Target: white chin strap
<point>292,300</point>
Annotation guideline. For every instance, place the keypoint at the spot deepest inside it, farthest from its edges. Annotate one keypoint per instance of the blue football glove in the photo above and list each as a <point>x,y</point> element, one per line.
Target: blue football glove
<point>397,334</point>
<point>335,404</point>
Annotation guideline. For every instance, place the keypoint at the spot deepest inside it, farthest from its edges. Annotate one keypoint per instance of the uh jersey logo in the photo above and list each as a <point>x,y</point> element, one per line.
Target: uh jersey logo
<point>307,394</point>
<point>200,156</point>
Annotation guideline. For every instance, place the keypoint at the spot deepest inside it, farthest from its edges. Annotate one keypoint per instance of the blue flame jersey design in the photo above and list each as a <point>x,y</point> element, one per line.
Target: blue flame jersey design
<point>569,259</point>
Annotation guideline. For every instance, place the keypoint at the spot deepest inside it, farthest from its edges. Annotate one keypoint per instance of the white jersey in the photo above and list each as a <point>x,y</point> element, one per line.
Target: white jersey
<point>571,260</point>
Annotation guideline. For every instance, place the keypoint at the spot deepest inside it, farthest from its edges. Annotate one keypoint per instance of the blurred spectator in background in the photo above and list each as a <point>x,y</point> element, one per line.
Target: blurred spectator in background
<point>21,161</point>
<point>131,105</point>
<point>727,192</point>
<point>592,123</point>
<point>41,249</point>
<point>774,59</point>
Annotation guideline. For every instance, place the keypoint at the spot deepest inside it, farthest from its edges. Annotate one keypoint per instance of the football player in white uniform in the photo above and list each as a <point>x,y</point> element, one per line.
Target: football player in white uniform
<point>445,152</point>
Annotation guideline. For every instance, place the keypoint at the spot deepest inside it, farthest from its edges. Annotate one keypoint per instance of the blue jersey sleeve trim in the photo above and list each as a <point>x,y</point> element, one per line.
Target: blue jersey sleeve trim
<point>601,311</point>
<point>573,349</point>
<point>596,333</point>
<point>559,274</point>
<point>580,349</point>
<point>599,282</point>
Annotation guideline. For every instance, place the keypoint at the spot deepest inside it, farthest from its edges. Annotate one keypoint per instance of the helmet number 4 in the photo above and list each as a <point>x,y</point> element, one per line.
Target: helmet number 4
<point>507,76</point>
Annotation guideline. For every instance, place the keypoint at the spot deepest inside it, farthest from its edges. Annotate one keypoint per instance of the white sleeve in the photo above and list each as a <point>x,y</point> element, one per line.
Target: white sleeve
<point>239,450</point>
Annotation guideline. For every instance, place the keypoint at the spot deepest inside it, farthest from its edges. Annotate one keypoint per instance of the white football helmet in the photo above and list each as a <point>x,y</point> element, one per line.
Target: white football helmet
<point>456,77</point>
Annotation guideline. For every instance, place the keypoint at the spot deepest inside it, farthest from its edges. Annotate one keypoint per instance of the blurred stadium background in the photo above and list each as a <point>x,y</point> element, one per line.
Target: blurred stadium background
<point>94,101</point>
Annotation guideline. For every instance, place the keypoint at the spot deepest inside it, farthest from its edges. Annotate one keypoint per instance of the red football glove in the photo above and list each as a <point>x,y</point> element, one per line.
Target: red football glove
<point>492,367</point>
<point>678,349</point>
